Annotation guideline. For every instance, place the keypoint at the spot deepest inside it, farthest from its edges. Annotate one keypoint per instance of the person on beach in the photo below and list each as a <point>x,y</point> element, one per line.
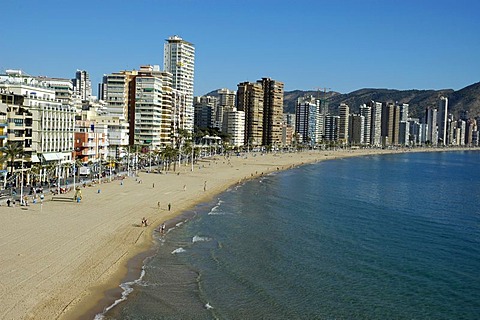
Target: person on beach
<point>8,202</point>
<point>144,222</point>
<point>205,186</point>
<point>158,204</point>
<point>163,228</point>
<point>169,206</point>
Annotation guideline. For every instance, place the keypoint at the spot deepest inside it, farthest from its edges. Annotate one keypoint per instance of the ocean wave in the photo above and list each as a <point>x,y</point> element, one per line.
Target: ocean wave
<point>200,239</point>
<point>215,211</point>
<point>179,250</point>
<point>127,288</point>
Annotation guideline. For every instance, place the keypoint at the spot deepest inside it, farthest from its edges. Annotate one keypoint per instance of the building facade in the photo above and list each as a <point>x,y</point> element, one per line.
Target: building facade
<point>179,60</point>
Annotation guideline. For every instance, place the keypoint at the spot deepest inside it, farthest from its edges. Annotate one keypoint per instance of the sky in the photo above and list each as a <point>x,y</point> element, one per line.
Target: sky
<point>308,45</point>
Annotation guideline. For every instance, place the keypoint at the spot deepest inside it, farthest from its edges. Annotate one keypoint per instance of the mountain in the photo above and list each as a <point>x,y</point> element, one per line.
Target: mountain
<point>466,99</point>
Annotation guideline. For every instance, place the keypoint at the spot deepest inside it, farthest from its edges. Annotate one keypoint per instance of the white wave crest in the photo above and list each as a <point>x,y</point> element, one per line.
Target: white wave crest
<point>200,239</point>
<point>179,250</point>
<point>127,288</point>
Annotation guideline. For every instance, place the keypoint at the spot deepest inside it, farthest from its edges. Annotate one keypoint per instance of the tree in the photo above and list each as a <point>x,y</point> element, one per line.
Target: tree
<point>11,152</point>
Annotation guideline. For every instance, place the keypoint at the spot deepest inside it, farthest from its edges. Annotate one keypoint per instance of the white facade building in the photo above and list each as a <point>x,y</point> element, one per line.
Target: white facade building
<point>179,60</point>
<point>53,123</point>
<point>152,114</point>
<point>234,125</point>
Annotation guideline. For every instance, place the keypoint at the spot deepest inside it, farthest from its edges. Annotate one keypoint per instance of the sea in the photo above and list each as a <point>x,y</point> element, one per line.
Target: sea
<point>374,237</point>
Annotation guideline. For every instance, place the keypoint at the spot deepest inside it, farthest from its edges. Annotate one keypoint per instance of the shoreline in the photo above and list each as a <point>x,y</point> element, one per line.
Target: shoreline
<point>52,268</point>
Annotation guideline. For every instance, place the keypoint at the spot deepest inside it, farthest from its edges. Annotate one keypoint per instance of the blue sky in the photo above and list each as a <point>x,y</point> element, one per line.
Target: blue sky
<point>342,45</point>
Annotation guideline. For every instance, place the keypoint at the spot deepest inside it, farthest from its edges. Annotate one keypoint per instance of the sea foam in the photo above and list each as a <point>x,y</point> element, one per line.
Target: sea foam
<point>179,250</point>
<point>127,288</point>
<point>200,239</point>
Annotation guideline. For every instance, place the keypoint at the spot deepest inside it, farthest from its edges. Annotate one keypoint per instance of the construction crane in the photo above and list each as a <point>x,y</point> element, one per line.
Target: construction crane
<point>324,92</point>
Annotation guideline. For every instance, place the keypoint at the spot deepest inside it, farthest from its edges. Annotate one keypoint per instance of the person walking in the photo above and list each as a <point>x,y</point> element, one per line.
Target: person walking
<point>169,206</point>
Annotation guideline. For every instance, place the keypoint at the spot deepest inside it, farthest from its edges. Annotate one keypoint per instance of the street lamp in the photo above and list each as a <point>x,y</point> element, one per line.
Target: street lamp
<point>21,184</point>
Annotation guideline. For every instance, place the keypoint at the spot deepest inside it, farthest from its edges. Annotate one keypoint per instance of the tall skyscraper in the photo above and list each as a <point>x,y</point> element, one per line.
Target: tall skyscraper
<point>356,129</point>
<point>431,122</point>
<point>179,60</point>
<point>366,112</point>
<point>390,123</point>
<point>442,120</point>
<point>263,106</point>
<point>150,119</point>
<point>376,123</point>
<point>250,100</point>
<point>344,112</point>
<point>307,120</point>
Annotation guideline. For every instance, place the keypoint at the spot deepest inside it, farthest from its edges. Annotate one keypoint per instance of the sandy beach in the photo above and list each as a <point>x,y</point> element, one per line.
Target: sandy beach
<point>58,259</point>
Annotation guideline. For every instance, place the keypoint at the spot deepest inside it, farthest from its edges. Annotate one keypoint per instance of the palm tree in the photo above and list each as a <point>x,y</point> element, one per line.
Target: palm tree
<point>11,152</point>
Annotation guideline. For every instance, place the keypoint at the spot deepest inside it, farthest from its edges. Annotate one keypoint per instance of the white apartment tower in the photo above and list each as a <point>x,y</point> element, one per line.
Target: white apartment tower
<point>152,113</point>
<point>442,120</point>
<point>376,123</point>
<point>366,112</point>
<point>234,125</point>
<point>226,99</point>
<point>179,60</point>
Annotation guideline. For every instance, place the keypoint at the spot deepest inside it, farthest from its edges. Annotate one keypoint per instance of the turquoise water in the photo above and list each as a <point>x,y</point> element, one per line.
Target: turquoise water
<point>378,237</point>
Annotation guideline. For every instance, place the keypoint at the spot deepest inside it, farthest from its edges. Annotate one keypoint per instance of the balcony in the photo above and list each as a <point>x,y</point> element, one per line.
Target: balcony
<point>87,152</point>
<point>88,144</point>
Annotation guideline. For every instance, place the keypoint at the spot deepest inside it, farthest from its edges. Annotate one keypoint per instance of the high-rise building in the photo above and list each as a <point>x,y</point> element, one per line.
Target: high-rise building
<point>82,85</point>
<point>179,60</point>
<point>226,99</point>
<point>117,93</point>
<point>307,119</point>
<point>250,100</point>
<point>273,111</point>
<point>431,122</point>
<point>442,120</point>
<point>331,128</point>
<point>366,112</point>
<point>263,105</point>
<point>344,112</point>
<point>204,107</point>
<point>376,123</point>
<point>234,125</point>
<point>414,131</point>
<point>356,128</point>
<point>390,123</point>
<point>152,114</point>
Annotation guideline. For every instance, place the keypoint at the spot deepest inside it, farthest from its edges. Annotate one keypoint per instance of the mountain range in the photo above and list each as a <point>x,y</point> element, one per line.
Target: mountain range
<point>466,99</point>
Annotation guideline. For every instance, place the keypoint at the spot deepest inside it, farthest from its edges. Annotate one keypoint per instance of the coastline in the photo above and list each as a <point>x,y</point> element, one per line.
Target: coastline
<point>62,258</point>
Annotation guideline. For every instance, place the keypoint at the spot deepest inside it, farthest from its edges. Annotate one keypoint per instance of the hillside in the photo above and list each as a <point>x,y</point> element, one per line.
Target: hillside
<point>467,99</point>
